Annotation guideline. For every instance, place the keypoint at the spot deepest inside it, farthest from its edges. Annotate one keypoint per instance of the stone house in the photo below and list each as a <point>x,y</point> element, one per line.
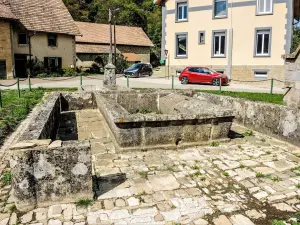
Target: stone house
<point>244,39</point>
<point>132,42</point>
<point>41,30</point>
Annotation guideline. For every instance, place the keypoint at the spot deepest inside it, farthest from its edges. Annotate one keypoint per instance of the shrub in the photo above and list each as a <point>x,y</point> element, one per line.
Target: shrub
<point>69,72</point>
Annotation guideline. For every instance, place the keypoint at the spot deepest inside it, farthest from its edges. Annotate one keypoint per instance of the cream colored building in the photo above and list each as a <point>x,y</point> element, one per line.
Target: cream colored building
<point>42,31</point>
<point>242,38</point>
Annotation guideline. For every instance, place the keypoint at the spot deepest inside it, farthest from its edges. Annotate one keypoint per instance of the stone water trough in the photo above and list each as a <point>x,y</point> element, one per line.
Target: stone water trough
<point>47,170</point>
<point>49,164</point>
<point>145,120</point>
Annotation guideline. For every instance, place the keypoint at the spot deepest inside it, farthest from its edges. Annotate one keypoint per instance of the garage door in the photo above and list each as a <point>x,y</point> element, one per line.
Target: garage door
<point>2,69</point>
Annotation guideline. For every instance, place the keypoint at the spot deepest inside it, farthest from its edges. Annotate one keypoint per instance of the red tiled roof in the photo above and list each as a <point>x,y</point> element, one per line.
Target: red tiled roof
<point>93,49</point>
<point>44,16</point>
<point>5,12</point>
<point>99,33</point>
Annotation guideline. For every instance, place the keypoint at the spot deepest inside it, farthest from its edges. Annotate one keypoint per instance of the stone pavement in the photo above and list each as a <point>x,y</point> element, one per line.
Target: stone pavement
<point>250,180</point>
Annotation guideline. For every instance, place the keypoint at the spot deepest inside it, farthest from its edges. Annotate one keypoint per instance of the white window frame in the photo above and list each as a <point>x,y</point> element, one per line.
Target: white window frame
<point>261,73</point>
<point>263,32</point>
<point>219,34</point>
<point>180,7</point>
<point>264,12</point>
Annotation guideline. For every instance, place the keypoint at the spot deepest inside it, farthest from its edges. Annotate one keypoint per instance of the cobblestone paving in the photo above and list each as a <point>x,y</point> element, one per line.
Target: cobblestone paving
<point>249,180</point>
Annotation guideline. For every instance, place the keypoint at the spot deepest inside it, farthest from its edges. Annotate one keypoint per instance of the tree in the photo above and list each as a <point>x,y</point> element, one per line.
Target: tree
<point>296,38</point>
<point>141,13</point>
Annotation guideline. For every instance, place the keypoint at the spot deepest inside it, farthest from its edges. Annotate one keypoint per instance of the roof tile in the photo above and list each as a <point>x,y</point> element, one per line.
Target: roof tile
<point>99,33</point>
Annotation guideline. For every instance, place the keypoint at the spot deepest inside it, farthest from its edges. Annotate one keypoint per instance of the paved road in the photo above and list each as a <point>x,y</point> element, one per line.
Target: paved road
<point>144,82</point>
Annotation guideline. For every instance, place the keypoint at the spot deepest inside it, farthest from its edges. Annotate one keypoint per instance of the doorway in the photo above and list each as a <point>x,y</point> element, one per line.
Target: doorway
<point>20,66</point>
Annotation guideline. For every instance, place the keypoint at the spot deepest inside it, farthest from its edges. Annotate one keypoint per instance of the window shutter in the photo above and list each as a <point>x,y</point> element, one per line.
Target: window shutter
<point>59,62</point>
<point>46,62</point>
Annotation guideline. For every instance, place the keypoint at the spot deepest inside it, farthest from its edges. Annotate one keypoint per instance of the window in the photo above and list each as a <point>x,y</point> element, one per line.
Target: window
<point>53,62</point>
<point>219,44</point>
<point>220,8</point>
<point>52,39</point>
<point>193,70</point>
<point>181,45</point>
<point>264,6</point>
<point>201,37</point>
<point>182,11</point>
<point>263,42</point>
<point>260,73</point>
<point>22,39</point>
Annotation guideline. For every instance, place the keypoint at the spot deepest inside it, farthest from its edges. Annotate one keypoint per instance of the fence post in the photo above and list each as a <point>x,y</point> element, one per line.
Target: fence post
<point>220,83</point>
<point>0,100</point>
<point>172,82</point>
<point>18,85</point>
<point>80,79</point>
<point>29,84</point>
<point>127,81</point>
<point>272,84</point>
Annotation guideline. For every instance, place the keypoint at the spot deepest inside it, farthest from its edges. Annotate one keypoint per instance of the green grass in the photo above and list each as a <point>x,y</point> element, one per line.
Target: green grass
<point>15,109</point>
<point>278,222</point>
<point>261,175</point>
<point>262,97</point>
<point>226,174</point>
<point>84,203</point>
<point>6,178</point>
<point>214,144</point>
<point>248,133</point>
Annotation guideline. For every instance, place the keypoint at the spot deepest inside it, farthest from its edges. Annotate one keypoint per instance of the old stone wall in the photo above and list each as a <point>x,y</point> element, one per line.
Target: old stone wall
<point>43,174</point>
<point>155,129</point>
<point>276,120</point>
<point>141,51</point>
<point>45,123</point>
<point>5,48</point>
<point>77,101</point>
<point>292,79</point>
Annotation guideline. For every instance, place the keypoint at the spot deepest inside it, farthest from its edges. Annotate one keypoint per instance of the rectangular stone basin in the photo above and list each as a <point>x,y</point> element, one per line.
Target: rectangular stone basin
<point>139,119</point>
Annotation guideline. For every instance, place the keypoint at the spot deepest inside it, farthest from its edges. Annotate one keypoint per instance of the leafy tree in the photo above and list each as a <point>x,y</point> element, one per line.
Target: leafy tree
<point>141,13</point>
<point>296,38</point>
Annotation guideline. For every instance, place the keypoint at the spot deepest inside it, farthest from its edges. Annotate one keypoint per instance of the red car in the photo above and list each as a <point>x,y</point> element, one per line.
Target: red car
<point>202,75</point>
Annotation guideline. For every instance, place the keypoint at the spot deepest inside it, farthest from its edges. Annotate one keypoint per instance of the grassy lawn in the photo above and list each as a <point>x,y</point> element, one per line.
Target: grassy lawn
<point>16,109</point>
<point>263,97</point>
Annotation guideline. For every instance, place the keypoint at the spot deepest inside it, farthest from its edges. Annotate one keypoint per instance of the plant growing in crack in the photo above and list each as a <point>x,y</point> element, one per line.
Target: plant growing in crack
<point>143,174</point>
<point>226,174</point>
<point>84,203</point>
<point>215,144</point>
<point>6,178</point>
<point>248,133</point>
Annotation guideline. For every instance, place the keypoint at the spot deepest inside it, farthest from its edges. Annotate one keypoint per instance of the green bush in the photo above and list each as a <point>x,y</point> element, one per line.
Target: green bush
<point>69,72</point>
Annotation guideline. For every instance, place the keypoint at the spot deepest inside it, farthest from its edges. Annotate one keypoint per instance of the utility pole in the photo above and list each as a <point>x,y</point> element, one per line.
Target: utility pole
<point>110,34</point>
<point>115,42</point>
<point>110,69</point>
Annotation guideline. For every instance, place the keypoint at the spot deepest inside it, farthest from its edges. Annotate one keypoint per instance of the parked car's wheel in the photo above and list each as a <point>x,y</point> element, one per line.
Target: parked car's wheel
<point>184,80</point>
<point>216,82</point>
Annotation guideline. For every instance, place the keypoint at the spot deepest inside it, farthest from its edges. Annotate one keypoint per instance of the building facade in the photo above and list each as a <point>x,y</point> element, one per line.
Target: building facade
<point>242,38</point>
<point>42,31</point>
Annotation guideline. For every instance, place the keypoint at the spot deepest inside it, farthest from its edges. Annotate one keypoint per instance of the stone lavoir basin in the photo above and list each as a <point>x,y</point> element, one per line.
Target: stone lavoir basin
<point>163,119</point>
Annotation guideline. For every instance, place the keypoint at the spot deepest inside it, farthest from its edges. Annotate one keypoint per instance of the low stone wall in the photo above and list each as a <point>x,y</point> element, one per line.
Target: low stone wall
<point>77,101</point>
<point>44,125</point>
<point>160,128</point>
<point>276,120</point>
<point>43,173</point>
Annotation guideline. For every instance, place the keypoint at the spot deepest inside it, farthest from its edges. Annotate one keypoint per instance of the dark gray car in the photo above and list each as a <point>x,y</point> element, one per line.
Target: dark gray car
<point>139,70</point>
